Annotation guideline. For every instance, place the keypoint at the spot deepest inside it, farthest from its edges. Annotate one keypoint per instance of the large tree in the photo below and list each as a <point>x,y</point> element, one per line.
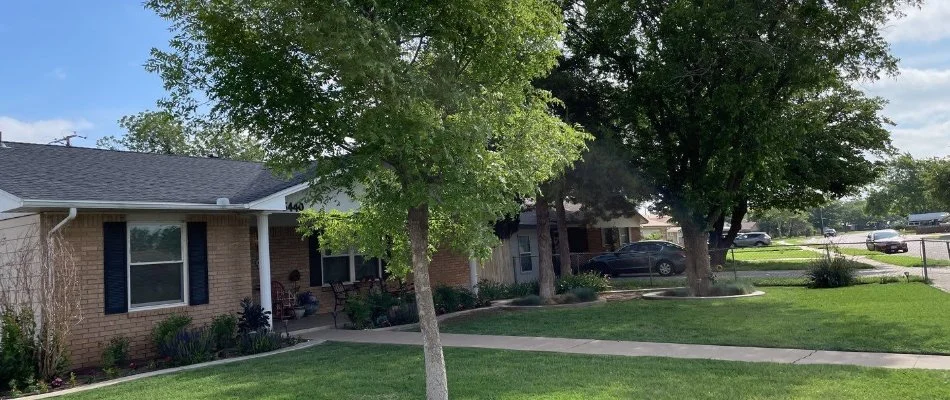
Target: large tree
<point>910,186</point>
<point>161,132</point>
<point>706,91</point>
<point>421,110</point>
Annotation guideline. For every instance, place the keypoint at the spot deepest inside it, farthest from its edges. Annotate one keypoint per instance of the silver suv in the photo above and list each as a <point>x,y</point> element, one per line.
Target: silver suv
<point>751,239</point>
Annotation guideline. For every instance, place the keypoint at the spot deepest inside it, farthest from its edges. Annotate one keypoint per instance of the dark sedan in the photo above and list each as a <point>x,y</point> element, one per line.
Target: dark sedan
<point>887,241</point>
<point>664,258</point>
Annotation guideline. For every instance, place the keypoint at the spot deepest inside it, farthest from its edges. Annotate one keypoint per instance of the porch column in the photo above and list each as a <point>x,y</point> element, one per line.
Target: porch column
<point>263,254</point>
<point>473,273</point>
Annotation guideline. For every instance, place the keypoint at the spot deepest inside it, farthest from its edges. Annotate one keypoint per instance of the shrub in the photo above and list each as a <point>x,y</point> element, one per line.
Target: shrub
<point>359,311</point>
<point>254,343</point>
<point>529,300</point>
<point>252,317</point>
<point>404,313</point>
<point>116,352</point>
<point>451,299</point>
<point>491,290</point>
<point>593,280</point>
<point>565,298</point>
<point>17,348</point>
<point>584,293</point>
<point>169,327</point>
<point>223,330</point>
<point>188,346</point>
<point>833,273</point>
<point>379,304</point>
<point>523,289</point>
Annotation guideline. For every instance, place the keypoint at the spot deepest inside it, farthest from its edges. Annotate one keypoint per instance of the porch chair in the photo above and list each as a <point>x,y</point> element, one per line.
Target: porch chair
<point>281,301</point>
<point>340,294</point>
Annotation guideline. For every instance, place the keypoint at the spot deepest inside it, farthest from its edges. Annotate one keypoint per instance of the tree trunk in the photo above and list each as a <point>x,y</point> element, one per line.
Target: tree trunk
<point>698,273</point>
<point>720,243</point>
<point>563,245</point>
<point>545,262</point>
<point>437,387</point>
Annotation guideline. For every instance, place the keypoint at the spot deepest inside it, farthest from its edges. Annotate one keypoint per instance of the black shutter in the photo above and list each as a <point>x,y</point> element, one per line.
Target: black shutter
<point>316,261</point>
<point>115,267</point>
<point>197,263</point>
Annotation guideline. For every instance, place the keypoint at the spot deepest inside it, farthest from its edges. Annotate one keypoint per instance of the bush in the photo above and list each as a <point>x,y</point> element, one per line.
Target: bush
<point>449,299</point>
<point>223,331</point>
<point>833,273</point>
<point>17,348</point>
<point>379,304</point>
<point>252,317</point>
<point>359,311</point>
<point>489,290</point>
<point>255,343</point>
<point>116,353</point>
<point>529,300</point>
<point>169,327</point>
<point>404,313</point>
<point>188,346</point>
<point>593,280</point>
<point>584,294</point>
<point>523,289</point>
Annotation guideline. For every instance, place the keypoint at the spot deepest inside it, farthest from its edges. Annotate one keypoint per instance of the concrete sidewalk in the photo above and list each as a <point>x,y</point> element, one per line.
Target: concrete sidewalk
<point>643,349</point>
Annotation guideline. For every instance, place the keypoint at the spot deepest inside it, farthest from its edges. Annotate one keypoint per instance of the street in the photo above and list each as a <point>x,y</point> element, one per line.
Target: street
<point>935,249</point>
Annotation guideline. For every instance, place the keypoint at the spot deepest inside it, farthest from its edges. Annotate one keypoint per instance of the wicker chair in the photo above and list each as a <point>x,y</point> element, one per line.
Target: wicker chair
<point>281,301</point>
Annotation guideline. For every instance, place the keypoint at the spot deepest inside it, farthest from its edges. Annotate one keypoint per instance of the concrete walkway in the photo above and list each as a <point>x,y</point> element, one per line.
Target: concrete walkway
<point>644,349</point>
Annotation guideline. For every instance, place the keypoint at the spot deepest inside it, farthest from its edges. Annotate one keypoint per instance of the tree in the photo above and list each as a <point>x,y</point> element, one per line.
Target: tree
<point>423,111</point>
<point>706,92</point>
<point>909,186</point>
<point>161,132</point>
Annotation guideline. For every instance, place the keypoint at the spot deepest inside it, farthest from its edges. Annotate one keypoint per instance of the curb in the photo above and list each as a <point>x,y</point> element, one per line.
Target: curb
<point>97,385</point>
<point>554,306</point>
<point>660,296</point>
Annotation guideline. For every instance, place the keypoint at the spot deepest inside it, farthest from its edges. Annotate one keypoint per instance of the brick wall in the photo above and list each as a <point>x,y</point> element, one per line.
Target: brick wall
<point>595,241</point>
<point>635,235</point>
<point>228,263</point>
<point>449,268</point>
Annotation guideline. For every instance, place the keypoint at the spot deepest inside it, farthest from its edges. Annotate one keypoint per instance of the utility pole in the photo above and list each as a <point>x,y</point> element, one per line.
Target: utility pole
<point>67,139</point>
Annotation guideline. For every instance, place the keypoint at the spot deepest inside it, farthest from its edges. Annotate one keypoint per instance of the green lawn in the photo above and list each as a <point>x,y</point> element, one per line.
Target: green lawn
<point>901,260</point>
<point>774,265</point>
<point>363,371</point>
<point>898,317</point>
<point>771,253</point>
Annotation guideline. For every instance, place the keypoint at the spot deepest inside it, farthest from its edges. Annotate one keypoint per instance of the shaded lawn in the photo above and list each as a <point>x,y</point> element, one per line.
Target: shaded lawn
<point>363,371</point>
<point>901,259</point>
<point>777,265</point>
<point>770,253</point>
<point>896,317</point>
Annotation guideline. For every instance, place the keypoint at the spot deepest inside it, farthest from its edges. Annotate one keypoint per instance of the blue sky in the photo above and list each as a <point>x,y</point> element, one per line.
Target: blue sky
<point>77,66</point>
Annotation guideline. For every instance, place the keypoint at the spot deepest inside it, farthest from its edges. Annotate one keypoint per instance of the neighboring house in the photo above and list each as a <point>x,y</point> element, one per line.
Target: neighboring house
<point>587,237</point>
<point>928,219</point>
<point>155,235</point>
<point>747,226</point>
<point>661,227</point>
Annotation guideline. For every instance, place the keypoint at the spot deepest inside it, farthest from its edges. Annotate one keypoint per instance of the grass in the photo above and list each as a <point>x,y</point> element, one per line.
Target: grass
<point>779,265</point>
<point>771,253</point>
<point>900,260</point>
<point>365,371</point>
<point>898,317</point>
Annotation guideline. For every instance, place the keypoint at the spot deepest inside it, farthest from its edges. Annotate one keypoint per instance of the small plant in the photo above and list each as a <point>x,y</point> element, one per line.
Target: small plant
<point>188,346</point>
<point>593,280</point>
<point>451,299</point>
<point>833,273</point>
<point>309,301</point>
<point>42,386</point>
<point>359,311</point>
<point>223,331</point>
<point>260,343</point>
<point>404,313</point>
<point>72,379</point>
<point>584,294</point>
<point>57,383</point>
<point>252,317</point>
<point>17,347</point>
<point>529,300</point>
<point>116,352</point>
<point>169,327</point>
<point>111,372</point>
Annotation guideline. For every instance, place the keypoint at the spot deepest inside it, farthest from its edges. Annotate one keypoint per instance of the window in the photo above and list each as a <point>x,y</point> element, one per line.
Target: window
<point>157,269</point>
<point>616,237</point>
<point>524,253</point>
<point>349,267</point>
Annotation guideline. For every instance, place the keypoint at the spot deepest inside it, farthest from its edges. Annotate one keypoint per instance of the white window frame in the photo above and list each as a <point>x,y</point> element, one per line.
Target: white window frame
<point>352,262</point>
<point>522,254</point>
<point>128,265</point>
<point>620,243</point>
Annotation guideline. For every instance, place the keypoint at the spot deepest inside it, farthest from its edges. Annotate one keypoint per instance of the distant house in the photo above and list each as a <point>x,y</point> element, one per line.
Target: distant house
<point>661,227</point>
<point>927,219</point>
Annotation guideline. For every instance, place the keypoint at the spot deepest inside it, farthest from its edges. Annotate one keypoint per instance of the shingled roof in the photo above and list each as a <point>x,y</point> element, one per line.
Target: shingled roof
<point>47,172</point>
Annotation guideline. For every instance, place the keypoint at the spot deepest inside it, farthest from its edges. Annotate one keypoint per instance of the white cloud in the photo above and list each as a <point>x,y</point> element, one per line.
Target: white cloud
<point>58,73</point>
<point>919,103</point>
<point>925,24</point>
<point>41,131</point>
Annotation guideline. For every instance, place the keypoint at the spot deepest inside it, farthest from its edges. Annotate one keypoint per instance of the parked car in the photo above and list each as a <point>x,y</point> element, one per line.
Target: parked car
<point>887,241</point>
<point>664,258</point>
<point>751,239</point>
<point>829,232</point>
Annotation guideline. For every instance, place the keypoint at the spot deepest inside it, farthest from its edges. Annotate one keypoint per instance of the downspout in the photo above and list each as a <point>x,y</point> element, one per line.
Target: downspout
<point>71,216</point>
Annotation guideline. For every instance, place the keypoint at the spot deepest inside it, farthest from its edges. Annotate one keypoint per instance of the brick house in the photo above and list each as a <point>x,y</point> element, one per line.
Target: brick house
<point>153,235</point>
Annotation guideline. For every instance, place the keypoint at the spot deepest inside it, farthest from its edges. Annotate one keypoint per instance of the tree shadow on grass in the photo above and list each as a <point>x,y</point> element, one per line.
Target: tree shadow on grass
<point>361,371</point>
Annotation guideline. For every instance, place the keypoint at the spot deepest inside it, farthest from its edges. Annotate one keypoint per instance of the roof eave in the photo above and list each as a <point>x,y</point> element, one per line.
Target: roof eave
<point>36,204</point>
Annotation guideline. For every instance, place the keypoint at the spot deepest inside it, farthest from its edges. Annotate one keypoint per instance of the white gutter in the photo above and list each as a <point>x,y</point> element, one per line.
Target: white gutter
<point>134,205</point>
<point>71,216</point>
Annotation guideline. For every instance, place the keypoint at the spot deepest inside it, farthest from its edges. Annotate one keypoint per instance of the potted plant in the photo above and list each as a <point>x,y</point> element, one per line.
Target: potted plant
<point>309,301</point>
<point>299,309</point>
